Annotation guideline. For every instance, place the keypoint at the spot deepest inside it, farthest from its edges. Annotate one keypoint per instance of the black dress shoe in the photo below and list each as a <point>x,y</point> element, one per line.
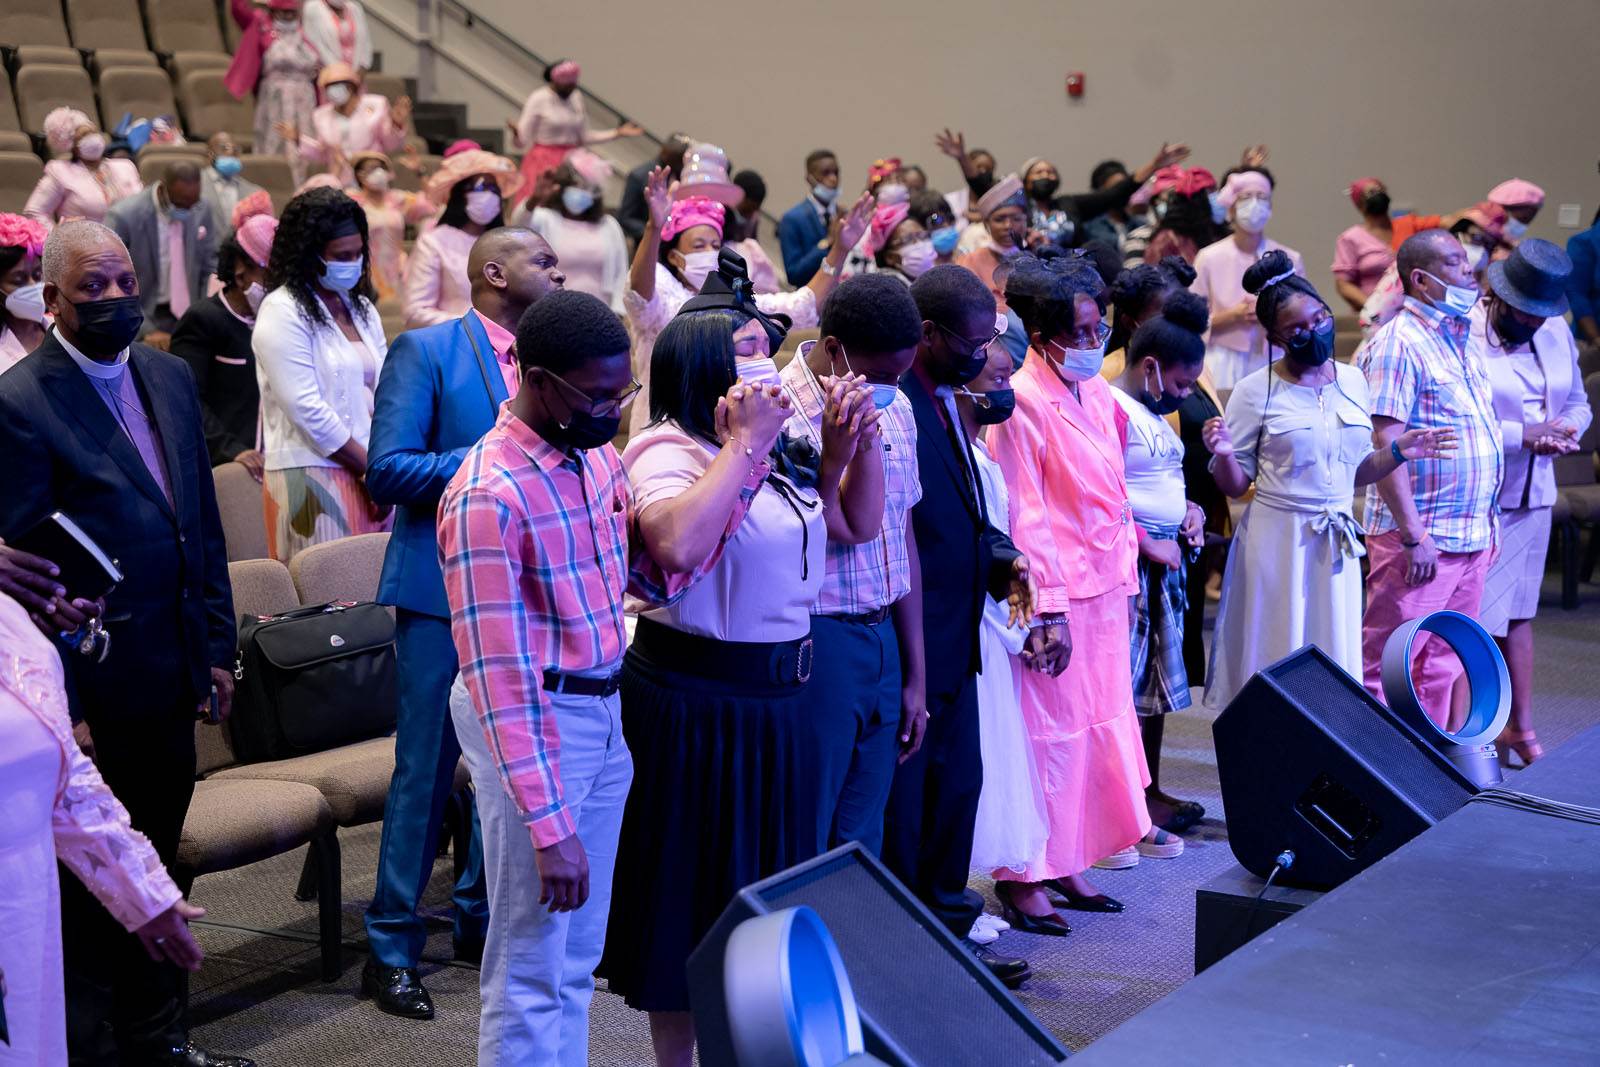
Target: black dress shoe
<point>397,990</point>
<point>1077,902</point>
<point>468,950</point>
<point>1012,972</point>
<point>192,1055</point>
<point>1051,925</point>
<point>1185,814</point>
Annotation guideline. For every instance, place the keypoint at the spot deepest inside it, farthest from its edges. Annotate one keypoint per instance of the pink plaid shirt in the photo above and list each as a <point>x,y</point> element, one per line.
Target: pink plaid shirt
<point>534,547</point>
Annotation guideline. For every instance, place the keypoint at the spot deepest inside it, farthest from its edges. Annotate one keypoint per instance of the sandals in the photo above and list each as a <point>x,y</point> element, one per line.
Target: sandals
<point>1524,743</point>
<point>1160,844</point>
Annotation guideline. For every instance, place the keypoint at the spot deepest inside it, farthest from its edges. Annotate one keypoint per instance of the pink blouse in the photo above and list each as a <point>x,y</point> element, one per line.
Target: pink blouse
<point>70,190</point>
<point>593,255</point>
<point>436,288</point>
<point>336,137</point>
<point>1063,464</point>
<point>548,119</point>
<point>1219,277</point>
<point>1360,257</point>
<point>11,350</point>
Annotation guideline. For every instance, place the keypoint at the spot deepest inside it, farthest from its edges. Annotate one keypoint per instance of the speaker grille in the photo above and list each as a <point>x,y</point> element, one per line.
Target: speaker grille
<point>1347,712</point>
<point>899,972</point>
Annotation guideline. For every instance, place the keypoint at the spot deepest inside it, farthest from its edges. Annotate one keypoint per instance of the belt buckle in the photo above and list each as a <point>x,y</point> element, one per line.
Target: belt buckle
<point>804,657</point>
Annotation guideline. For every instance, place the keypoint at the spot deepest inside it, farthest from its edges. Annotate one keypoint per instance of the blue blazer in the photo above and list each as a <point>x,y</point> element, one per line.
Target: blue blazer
<point>798,233</point>
<point>440,391</point>
<point>171,620</point>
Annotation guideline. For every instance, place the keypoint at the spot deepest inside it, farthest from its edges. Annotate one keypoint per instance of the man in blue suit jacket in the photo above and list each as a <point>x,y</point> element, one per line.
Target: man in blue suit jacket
<point>803,232</point>
<point>440,391</point>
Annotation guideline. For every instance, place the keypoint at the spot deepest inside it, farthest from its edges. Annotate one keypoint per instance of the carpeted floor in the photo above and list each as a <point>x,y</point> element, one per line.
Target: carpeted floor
<point>259,992</point>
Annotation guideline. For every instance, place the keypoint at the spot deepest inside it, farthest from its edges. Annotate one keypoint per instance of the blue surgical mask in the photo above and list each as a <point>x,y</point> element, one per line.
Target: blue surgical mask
<point>1219,212</point>
<point>576,199</point>
<point>1516,229</point>
<point>341,277</point>
<point>1077,364</point>
<point>229,166</point>
<point>1458,301</point>
<point>825,193</point>
<point>883,395</point>
<point>945,239</point>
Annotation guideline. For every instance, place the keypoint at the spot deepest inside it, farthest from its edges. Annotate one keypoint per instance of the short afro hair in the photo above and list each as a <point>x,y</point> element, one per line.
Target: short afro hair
<point>751,184</point>
<point>817,155</point>
<point>567,329</point>
<point>948,293</point>
<point>872,313</point>
<point>1106,170</point>
<point>1423,250</point>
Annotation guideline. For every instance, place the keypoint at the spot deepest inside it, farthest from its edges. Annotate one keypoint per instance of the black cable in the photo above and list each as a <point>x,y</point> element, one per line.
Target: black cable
<point>1282,862</point>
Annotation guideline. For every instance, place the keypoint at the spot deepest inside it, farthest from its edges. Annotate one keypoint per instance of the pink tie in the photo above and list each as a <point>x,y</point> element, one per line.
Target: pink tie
<point>177,271</point>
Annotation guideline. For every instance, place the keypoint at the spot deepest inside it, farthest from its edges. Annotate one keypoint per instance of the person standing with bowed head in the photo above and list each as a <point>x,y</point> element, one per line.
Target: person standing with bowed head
<point>85,184</point>
<point>22,314</point>
<point>319,347</point>
<point>472,187</point>
<point>1300,432</point>
<point>388,211</point>
<point>553,122</point>
<point>277,62</point>
<point>594,254</point>
<point>1519,336</point>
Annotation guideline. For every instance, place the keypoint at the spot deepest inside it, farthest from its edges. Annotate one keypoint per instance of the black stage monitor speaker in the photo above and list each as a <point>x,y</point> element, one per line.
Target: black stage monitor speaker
<point>1311,763</point>
<point>924,1000</point>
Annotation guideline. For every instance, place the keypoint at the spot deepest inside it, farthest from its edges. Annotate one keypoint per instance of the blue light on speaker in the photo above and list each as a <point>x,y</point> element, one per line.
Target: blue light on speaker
<point>1470,748</point>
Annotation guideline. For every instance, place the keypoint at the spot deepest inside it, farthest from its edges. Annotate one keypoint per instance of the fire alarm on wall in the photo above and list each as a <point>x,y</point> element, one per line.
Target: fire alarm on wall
<point>1075,84</point>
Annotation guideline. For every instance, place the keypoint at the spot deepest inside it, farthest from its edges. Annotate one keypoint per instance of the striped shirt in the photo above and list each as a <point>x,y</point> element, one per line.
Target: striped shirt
<point>1421,373</point>
<point>534,546</point>
<point>875,574</point>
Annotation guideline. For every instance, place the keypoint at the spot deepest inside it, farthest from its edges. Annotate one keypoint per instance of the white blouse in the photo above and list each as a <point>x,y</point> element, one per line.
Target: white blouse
<point>316,390</point>
<point>1153,465</point>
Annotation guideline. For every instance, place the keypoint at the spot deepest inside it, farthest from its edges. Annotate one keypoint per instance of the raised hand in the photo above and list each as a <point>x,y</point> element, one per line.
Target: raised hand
<point>1217,439</point>
<point>1254,155</point>
<point>951,144</point>
<point>849,404</point>
<point>1427,444</point>
<point>1169,155</point>
<point>288,131</point>
<point>400,112</point>
<point>658,195</point>
<point>630,129</point>
<point>856,222</point>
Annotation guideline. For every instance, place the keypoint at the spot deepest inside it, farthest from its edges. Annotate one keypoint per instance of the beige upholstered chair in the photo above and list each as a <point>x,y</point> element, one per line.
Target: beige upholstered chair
<point>244,522</point>
<point>346,569</point>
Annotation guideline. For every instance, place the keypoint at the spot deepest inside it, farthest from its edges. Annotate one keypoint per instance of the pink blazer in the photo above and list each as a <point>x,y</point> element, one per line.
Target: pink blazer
<point>1062,461</point>
<point>369,130</point>
<point>68,190</point>
<point>436,286</point>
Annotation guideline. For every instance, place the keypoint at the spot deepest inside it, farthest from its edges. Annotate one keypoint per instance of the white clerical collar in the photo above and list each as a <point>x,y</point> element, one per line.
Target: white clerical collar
<point>94,368</point>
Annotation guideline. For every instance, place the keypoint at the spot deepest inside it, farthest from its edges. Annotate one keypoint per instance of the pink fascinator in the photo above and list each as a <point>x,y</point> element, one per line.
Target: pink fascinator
<point>19,231</point>
<point>697,211</point>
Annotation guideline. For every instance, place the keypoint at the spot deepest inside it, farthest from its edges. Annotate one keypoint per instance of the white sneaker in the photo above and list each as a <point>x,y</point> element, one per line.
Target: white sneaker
<point>982,934</point>
<point>994,921</point>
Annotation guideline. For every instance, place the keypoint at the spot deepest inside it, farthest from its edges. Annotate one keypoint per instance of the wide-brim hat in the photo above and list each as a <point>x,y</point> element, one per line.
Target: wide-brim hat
<point>1533,279</point>
<point>334,73</point>
<point>470,164</point>
<point>361,157</point>
<point>705,174</point>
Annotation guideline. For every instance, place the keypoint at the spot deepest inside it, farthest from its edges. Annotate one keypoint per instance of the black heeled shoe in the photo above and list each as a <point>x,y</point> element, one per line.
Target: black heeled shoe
<point>1078,902</point>
<point>1051,925</point>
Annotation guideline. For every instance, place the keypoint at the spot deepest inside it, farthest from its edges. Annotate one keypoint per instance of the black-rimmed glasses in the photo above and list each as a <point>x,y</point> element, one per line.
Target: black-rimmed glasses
<point>600,408</point>
<point>973,347</point>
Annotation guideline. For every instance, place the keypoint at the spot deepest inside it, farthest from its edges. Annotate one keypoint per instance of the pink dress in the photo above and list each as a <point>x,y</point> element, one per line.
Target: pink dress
<point>1070,515</point>
<point>386,235</point>
<point>593,255</point>
<point>1360,257</point>
<point>334,137</point>
<point>57,808</point>
<point>436,288</point>
<point>70,190</point>
<point>1235,351</point>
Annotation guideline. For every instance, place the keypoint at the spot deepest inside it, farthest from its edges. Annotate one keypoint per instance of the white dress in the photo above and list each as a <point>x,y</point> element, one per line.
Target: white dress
<point>1012,824</point>
<point>1293,576</point>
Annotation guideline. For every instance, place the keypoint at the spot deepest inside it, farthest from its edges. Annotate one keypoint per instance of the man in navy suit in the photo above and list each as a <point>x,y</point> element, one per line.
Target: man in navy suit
<point>108,432</point>
<point>805,233</point>
<point>933,803</point>
<point>440,391</point>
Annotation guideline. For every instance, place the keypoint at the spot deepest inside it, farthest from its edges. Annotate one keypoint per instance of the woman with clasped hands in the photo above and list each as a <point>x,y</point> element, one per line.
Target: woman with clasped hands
<point>57,808</point>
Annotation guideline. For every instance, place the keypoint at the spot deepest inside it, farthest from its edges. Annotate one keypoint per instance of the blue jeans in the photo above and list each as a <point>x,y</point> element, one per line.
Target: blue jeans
<point>538,967</point>
<point>425,755</point>
<point>855,694</point>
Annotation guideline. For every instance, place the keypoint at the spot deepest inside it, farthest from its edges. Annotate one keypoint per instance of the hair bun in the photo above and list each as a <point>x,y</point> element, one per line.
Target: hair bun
<point>1188,310</point>
<point>1272,265</point>
<point>1178,269</point>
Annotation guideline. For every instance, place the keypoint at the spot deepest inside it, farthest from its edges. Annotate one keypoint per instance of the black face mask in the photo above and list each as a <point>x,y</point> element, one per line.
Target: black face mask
<point>1513,331</point>
<point>1316,350</point>
<point>1378,204</point>
<point>106,327</point>
<point>584,430</point>
<point>1002,402</point>
<point>1045,188</point>
<point>1162,403</point>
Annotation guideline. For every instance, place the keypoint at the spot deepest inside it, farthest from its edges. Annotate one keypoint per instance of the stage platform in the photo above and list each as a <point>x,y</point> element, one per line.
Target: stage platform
<point>1476,943</point>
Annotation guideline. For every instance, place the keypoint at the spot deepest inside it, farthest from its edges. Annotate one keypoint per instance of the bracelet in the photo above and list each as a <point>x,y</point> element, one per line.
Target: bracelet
<point>1410,544</point>
<point>1394,450</point>
<point>829,269</point>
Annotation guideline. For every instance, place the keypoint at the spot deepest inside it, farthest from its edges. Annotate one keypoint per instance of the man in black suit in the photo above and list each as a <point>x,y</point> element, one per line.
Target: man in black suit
<point>633,212</point>
<point>934,800</point>
<point>109,433</point>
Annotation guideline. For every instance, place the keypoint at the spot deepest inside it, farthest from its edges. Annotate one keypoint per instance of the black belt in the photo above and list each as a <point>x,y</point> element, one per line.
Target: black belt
<point>865,618</point>
<point>579,686</point>
<point>784,663</point>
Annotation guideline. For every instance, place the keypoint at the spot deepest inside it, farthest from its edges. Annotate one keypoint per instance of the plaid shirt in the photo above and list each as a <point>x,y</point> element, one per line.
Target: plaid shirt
<point>534,547</point>
<point>866,577</point>
<point>1422,375</point>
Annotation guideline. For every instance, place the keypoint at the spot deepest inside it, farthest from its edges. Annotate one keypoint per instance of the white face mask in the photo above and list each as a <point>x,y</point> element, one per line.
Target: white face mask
<point>91,148</point>
<point>757,370</point>
<point>1251,214</point>
<point>254,295</point>
<point>27,302</point>
<point>339,94</point>
<point>1476,255</point>
<point>285,26</point>
<point>916,258</point>
<point>378,179</point>
<point>696,266</point>
<point>483,206</point>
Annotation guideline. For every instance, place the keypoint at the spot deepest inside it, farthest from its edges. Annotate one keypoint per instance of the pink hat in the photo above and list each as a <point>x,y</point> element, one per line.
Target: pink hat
<point>19,231</point>
<point>320,181</point>
<point>1489,217</point>
<point>884,221</point>
<point>466,144</point>
<point>471,164</point>
<point>257,203</point>
<point>1358,190</point>
<point>337,72</point>
<point>1007,190</point>
<point>255,236</point>
<point>590,167</point>
<point>1185,181</point>
<point>61,127</point>
<point>565,69</point>
<point>705,176</point>
<point>1242,182</point>
<point>1517,192</point>
<point>697,211</point>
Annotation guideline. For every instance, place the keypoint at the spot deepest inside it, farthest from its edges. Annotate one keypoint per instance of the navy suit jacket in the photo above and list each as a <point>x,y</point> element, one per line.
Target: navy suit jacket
<point>798,233</point>
<point>171,620</point>
<point>440,391</point>
<point>964,559</point>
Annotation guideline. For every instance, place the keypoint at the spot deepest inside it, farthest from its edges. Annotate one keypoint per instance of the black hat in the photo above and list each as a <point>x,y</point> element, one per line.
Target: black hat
<point>1533,279</point>
<point>729,288</point>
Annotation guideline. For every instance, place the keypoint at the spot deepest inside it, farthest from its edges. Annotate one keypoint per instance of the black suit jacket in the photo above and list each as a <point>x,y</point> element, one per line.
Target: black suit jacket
<point>964,559</point>
<point>171,619</point>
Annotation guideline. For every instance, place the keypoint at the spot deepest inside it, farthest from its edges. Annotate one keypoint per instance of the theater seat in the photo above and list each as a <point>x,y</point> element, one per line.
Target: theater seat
<point>272,173</point>
<point>19,173</point>
<point>43,87</point>
<point>209,108</point>
<point>184,62</point>
<point>184,26</point>
<point>33,22</point>
<point>244,524</point>
<point>49,53</point>
<point>346,569</point>
<point>104,59</point>
<point>104,24</point>
<point>12,137</point>
<point>143,92</point>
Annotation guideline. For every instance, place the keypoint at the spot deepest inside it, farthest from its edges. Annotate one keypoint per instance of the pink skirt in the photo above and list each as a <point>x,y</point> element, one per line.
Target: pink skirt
<point>539,159</point>
<point>1087,745</point>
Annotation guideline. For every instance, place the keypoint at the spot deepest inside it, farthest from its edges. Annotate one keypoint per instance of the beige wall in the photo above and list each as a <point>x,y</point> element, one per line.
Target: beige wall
<point>1441,98</point>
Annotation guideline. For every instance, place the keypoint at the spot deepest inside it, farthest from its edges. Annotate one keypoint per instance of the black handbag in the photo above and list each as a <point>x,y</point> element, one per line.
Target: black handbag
<point>312,679</point>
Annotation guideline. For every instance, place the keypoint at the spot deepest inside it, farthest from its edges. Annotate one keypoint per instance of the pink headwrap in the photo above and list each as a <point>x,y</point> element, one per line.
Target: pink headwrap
<point>565,69</point>
<point>1242,182</point>
<point>884,220</point>
<point>883,168</point>
<point>255,236</point>
<point>257,203</point>
<point>466,144</point>
<point>696,211</point>
<point>19,231</point>
<point>1516,192</point>
<point>1358,190</point>
<point>1185,181</point>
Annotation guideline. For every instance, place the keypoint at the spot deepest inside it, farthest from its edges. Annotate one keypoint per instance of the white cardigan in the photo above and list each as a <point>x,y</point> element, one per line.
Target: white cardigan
<point>323,33</point>
<point>313,398</point>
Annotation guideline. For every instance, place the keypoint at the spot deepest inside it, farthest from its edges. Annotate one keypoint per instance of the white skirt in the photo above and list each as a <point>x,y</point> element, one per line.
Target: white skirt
<point>1511,588</point>
<point>1229,366</point>
<point>1286,585</point>
<point>1012,825</point>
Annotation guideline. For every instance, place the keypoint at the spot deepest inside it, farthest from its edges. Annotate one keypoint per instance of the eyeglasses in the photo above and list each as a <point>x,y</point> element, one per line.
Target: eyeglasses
<point>973,347</point>
<point>1085,339</point>
<point>601,408</point>
<point>1302,335</point>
